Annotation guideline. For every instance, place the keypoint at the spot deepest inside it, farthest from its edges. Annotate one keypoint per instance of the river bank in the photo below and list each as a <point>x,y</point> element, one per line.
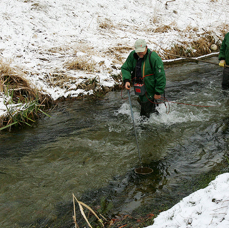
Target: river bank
<point>68,50</point>
<point>20,88</point>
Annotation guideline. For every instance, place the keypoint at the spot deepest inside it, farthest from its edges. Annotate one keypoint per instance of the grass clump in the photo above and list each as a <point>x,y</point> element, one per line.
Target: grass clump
<point>22,113</point>
<point>196,48</point>
<point>22,101</point>
<point>162,29</point>
<point>81,63</point>
<point>105,24</point>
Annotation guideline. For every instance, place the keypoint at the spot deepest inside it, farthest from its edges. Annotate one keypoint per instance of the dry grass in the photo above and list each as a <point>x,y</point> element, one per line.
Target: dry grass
<point>121,49</point>
<point>199,47</point>
<point>14,85</point>
<point>105,24</point>
<point>162,29</point>
<point>78,47</point>
<point>14,82</point>
<point>116,53</point>
<point>83,47</point>
<point>189,29</point>
<point>59,79</point>
<point>38,6</point>
<point>81,63</point>
<point>60,50</point>
<point>5,67</point>
<point>155,18</point>
<point>81,207</point>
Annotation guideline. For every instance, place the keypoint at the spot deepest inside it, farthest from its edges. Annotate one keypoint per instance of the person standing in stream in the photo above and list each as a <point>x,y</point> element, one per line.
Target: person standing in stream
<point>145,68</point>
<point>224,61</point>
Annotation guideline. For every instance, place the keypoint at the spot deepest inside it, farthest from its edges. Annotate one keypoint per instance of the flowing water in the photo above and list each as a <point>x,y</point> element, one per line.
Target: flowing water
<point>88,149</point>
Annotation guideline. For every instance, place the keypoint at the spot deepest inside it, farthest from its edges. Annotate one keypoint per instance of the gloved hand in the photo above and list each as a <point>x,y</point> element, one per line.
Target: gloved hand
<point>222,63</point>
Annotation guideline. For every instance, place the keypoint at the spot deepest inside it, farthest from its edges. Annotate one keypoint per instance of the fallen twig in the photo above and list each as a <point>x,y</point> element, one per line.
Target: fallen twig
<point>81,204</point>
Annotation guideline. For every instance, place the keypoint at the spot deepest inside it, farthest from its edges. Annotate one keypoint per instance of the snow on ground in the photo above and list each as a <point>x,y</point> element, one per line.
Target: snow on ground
<point>205,208</point>
<point>39,37</point>
<point>2,106</point>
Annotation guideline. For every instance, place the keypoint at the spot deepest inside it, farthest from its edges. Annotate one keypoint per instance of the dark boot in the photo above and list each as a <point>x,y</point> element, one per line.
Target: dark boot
<point>225,81</point>
<point>147,108</point>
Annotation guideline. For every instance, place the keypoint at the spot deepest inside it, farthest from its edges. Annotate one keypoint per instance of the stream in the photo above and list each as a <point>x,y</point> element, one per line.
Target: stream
<point>88,148</point>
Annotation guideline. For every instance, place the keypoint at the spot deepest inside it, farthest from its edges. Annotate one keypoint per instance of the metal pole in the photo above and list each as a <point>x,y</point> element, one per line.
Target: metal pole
<point>134,128</point>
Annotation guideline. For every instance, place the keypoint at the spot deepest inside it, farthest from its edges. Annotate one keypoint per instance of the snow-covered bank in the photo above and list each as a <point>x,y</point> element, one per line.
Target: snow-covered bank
<point>205,208</point>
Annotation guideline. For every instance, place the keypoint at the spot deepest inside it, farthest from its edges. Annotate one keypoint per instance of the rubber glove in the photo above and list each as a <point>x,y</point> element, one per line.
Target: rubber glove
<point>222,63</point>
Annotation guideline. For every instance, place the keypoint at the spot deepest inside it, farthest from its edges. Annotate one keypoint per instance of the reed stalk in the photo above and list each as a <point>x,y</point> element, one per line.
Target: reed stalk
<point>81,205</point>
<point>22,113</point>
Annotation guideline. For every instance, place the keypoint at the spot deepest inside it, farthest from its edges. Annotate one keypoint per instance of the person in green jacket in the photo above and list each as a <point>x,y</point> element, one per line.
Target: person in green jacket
<point>224,61</point>
<point>145,68</point>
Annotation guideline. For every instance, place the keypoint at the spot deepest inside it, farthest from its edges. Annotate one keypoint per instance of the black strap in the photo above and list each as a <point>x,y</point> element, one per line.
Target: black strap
<point>138,71</point>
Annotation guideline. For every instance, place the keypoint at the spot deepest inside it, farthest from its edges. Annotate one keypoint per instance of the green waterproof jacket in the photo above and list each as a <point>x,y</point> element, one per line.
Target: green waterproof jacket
<point>153,78</point>
<point>224,49</point>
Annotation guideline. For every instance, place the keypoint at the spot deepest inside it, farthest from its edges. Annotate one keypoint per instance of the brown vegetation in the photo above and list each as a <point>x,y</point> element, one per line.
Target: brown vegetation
<point>14,82</point>
<point>116,53</point>
<point>105,24</point>
<point>81,63</point>
<point>196,48</point>
<point>19,91</point>
<point>162,29</point>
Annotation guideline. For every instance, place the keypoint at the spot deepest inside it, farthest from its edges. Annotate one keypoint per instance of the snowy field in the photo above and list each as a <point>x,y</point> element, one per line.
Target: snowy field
<point>40,37</point>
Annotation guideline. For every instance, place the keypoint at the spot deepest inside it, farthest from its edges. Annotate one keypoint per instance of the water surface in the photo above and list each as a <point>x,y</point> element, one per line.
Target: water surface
<point>88,148</point>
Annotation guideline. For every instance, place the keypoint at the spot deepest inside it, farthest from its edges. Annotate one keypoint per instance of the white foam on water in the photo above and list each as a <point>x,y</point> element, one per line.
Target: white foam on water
<point>169,114</point>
